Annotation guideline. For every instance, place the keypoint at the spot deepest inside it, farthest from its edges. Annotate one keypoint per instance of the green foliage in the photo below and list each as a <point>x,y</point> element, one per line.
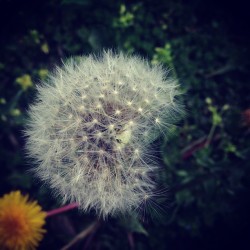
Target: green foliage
<point>132,224</point>
<point>205,165</point>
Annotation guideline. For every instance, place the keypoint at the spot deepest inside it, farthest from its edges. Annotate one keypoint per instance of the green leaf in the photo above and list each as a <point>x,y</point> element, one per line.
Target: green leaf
<point>132,224</point>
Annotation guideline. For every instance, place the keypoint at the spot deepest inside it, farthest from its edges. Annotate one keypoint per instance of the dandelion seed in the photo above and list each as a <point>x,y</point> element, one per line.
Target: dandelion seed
<point>118,112</point>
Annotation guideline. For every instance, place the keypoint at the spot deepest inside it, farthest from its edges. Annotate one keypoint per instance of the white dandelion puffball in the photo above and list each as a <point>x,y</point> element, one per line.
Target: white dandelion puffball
<point>91,126</point>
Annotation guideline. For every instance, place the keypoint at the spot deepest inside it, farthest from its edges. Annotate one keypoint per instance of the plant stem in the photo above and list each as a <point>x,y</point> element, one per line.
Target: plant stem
<point>61,209</point>
<point>82,235</point>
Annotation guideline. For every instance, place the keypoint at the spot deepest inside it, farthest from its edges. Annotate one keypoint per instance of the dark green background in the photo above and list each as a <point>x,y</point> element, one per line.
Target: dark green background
<point>205,43</point>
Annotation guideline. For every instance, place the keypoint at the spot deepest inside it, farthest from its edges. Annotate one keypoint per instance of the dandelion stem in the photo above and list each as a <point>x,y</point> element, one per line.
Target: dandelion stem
<point>82,235</point>
<point>62,209</point>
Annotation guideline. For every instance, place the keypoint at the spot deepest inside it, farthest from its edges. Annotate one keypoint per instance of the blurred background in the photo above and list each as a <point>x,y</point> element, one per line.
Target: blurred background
<point>205,163</point>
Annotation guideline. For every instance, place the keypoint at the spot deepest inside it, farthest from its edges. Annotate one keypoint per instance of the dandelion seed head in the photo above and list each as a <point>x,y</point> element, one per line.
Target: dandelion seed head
<point>90,128</point>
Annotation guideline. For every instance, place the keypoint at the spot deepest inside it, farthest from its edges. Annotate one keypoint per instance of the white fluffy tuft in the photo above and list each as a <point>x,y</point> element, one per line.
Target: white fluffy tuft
<point>91,126</point>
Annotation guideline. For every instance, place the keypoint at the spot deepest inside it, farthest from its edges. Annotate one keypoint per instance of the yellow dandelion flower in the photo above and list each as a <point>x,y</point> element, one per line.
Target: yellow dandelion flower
<point>21,222</point>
